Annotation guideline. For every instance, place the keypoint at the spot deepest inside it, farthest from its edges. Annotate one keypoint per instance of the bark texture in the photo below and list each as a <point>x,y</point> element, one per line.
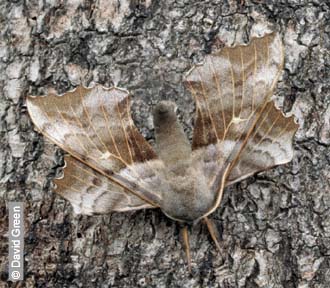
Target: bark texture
<point>275,227</point>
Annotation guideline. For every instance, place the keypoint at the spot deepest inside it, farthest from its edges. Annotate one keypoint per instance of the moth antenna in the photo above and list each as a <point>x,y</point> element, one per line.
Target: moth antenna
<point>185,236</point>
<point>213,232</point>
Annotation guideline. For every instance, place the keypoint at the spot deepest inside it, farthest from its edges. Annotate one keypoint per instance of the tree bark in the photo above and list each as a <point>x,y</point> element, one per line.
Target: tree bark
<point>274,227</point>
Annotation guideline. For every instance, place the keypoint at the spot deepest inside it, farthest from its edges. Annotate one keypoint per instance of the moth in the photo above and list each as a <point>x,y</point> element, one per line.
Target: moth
<point>238,131</point>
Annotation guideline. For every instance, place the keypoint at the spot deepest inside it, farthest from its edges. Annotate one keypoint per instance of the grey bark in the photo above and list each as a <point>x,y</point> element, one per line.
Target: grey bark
<point>275,226</point>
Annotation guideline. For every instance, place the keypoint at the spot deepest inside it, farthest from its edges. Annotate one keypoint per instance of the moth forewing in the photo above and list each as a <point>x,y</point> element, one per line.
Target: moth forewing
<point>73,122</point>
<point>235,117</point>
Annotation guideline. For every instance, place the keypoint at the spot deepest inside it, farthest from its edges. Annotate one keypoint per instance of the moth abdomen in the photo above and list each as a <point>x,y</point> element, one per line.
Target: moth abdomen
<point>173,146</point>
<point>164,114</point>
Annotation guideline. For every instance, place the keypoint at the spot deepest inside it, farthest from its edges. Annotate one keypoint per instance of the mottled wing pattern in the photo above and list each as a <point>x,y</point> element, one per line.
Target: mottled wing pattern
<point>94,126</point>
<point>237,123</point>
<point>268,144</point>
<point>90,192</point>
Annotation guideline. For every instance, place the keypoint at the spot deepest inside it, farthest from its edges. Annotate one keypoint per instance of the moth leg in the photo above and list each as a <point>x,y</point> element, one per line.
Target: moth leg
<point>185,237</point>
<point>213,232</point>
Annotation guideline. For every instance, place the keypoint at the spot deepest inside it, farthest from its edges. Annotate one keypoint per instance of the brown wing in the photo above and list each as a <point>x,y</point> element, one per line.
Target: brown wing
<point>90,192</point>
<point>238,129</point>
<point>94,126</point>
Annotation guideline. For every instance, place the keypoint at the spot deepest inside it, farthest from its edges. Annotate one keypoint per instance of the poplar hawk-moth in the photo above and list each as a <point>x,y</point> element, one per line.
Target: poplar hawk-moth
<point>238,131</point>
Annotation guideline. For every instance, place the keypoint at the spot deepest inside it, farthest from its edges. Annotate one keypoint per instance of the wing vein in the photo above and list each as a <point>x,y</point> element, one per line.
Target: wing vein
<point>207,106</point>
<point>66,173</point>
<point>232,81</point>
<point>260,123</point>
<point>243,80</point>
<point>59,183</point>
<point>109,130</point>
<point>198,106</point>
<point>281,132</point>
<point>90,139</point>
<point>267,132</point>
<point>61,115</point>
<point>254,77</point>
<point>92,126</point>
<point>83,169</point>
<point>217,81</point>
<point>124,130</point>
<point>58,143</point>
<point>83,129</point>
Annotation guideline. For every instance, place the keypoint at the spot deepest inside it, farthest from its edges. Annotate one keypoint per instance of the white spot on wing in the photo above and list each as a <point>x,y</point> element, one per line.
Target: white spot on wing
<point>105,155</point>
<point>237,120</point>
